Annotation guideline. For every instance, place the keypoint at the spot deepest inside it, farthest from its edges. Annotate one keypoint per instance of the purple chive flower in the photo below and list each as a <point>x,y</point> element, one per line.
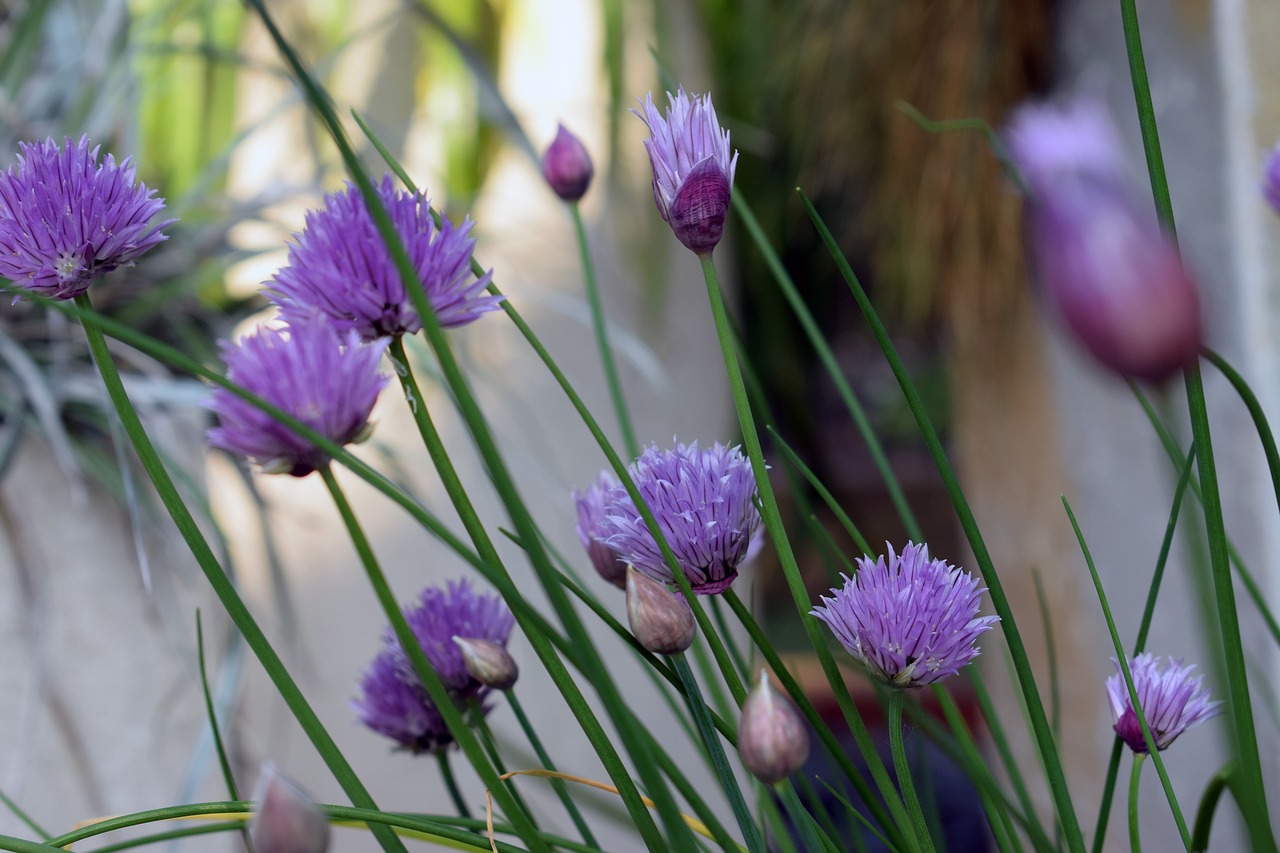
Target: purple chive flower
<point>911,620</point>
<point>1171,700</point>
<point>692,167</point>
<point>1116,280</point>
<point>66,219</point>
<point>704,501</point>
<point>326,379</point>
<point>1271,179</point>
<point>591,533</point>
<point>566,166</point>
<point>394,702</point>
<point>341,267</point>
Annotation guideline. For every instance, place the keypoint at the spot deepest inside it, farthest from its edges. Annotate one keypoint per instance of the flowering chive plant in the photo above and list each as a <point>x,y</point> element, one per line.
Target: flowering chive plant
<point>341,267</point>
<point>68,217</point>
<point>1172,701</point>
<point>911,620</point>
<point>692,167</point>
<point>325,378</point>
<point>393,701</point>
<point>704,501</point>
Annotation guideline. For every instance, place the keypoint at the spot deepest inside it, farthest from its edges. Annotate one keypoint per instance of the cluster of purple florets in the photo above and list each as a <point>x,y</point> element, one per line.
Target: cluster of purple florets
<point>393,701</point>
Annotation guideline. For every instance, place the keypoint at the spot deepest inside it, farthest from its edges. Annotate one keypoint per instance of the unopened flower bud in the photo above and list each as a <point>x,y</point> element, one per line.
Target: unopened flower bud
<point>692,167</point>
<point>566,166</point>
<point>773,742</point>
<point>488,662</point>
<point>1104,265</point>
<point>285,819</point>
<point>660,619</point>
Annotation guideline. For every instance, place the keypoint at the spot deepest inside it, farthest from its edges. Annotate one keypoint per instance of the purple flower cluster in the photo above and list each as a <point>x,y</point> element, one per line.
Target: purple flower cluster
<point>394,702</point>
<point>704,502</point>
<point>341,276</point>
<point>340,266</point>
<point>1116,280</point>
<point>326,379</point>
<point>692,167</point>
<point>1171,700</point>
<point>909,619</point>
<point>67,218</point>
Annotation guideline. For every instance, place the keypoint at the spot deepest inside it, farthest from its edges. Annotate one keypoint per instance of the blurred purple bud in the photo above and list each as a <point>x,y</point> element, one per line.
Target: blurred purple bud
<point>488,662</point>
<point>660,619</point>
<point>773,742</point>
<point>285,819</point>
<point>1116,280</point>
<point>566,166</point>
<point>1271,179</point>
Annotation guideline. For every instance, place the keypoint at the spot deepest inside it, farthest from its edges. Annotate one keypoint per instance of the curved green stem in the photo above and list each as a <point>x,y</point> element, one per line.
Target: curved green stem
<point>602,335</point>
<point>903,769</point>
<point>1135,841</point>
<point>1208,807</point>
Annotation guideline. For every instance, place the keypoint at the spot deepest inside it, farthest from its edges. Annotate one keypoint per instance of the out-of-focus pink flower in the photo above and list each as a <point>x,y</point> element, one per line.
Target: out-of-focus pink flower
<point>1118,283</point>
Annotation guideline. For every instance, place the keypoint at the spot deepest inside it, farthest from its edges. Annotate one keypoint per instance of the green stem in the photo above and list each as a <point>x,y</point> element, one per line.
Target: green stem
<point>602,335</point>
<point>711,740</point>
<point>1135,841</point>
<point>1208,807</point>
<point>558,785</point>
<point>903,769</point>
<point>777,533</point>
<point>222,586</point>
<point>451,783</point>
<point>426,673</point>
<point>1253,800</point>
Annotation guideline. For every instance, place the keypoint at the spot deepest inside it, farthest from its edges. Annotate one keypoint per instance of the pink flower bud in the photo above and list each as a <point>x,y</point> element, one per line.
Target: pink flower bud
<point>1117,282</point>
<point>773,742</point>
<point>488,662</point>
<point>285,819</point>
<point>566,166</point>
<point>660,619</point>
